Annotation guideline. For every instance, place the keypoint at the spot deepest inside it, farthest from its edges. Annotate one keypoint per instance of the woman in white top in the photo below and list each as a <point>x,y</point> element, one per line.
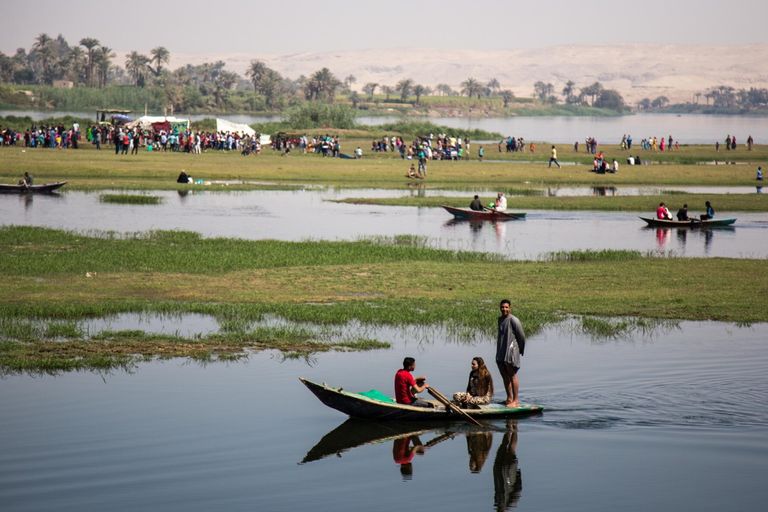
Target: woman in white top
<point>501,202</point>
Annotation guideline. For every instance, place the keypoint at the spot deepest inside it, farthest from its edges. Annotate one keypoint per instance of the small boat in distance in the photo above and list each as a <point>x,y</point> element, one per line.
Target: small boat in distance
<point>35,189</point>
<point>486,214</point>
<point>693,223</point>
<point>374,405</point>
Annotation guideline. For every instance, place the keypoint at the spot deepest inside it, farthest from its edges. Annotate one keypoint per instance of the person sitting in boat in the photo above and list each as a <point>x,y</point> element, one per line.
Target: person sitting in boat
<point>26,180</point>
<point>662,212</point>
<point>184,177</point>
<point>682,213</point>
<point>479,386</point>
<point>501,202</point>
<point>476,204</point>
<point>407,386</point>
<point>710,214</point>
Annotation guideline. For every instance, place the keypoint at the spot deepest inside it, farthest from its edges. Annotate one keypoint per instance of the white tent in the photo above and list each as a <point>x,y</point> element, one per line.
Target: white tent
<point>222,125</point>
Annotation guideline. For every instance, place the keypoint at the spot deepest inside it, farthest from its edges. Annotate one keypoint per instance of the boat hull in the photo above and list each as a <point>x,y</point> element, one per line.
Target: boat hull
<point>47,188</point>
<point>693,223</point>
<point>467,214</point>
<point>356,405</point>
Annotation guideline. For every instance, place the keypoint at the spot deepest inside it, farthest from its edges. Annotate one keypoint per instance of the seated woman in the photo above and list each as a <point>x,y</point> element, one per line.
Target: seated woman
<point>479,387</point>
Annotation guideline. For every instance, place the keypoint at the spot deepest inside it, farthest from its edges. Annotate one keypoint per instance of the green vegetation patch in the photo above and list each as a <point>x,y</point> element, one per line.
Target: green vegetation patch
<point>125,348</point>
<point>130,199</point>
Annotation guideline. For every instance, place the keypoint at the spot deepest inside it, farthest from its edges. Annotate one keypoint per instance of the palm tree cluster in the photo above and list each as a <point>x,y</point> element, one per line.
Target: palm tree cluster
<point>724,97</point>
<point>88,64</point>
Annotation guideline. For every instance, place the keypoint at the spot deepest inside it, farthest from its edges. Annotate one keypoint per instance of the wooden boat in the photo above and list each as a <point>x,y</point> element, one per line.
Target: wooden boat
<point>467,214</point>
<point>693,223</point>
<point>373,405</point>
<point>38,189</point>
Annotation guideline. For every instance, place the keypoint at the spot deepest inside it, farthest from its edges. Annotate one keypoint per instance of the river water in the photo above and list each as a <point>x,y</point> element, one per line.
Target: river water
<point>687,128</point>
<point>263,214</point>
<point>668,419</point>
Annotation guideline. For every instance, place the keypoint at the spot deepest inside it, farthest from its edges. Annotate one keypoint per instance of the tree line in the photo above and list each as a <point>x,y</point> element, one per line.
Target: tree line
<point>723,97</point>
<point>91,64</point>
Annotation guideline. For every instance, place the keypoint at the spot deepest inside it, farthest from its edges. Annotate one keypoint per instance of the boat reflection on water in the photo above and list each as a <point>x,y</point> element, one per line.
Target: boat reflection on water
<point>683,234</point>
<point>476,226</point>
<point>406,438</point>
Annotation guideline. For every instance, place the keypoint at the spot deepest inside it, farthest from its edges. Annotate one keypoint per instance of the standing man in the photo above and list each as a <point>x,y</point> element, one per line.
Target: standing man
<point>510,346</point>
<point>406,386</point>
<point>553,157</point>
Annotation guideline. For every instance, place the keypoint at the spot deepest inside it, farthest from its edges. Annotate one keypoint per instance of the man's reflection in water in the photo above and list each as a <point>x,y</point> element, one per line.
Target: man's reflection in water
<point>478,446</point>
<point>403,451</point>
<point>507,480</point>
<point>682,237</point>
<point>708,235</point>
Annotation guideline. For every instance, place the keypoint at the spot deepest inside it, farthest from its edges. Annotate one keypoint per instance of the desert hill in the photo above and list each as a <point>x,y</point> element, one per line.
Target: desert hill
<point>636,71</point>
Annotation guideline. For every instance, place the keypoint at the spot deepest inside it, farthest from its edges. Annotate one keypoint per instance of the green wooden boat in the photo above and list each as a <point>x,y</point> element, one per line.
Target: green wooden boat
<point>693,223</point>
<point>374,405</point>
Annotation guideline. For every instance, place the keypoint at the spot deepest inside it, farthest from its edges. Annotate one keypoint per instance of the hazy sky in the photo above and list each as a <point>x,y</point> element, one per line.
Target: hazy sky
<point>212,26</point>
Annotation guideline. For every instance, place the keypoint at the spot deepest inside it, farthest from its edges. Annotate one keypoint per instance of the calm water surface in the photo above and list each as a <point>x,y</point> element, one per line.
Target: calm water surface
<point>668,420</point>
<point>272,215</point>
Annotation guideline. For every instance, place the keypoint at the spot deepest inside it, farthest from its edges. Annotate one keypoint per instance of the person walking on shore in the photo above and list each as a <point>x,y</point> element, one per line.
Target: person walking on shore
<point>553,157</point>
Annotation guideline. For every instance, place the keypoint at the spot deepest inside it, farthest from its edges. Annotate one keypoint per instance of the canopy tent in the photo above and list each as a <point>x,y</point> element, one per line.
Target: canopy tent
<point>147,123</point>
<point>222,125</point>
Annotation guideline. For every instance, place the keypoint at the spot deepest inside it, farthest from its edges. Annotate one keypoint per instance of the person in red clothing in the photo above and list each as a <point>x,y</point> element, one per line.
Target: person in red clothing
<point>662,212</point>
<point>406,386</point>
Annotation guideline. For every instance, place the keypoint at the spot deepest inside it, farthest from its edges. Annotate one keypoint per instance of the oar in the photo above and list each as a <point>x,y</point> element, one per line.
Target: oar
<point>449,405</point>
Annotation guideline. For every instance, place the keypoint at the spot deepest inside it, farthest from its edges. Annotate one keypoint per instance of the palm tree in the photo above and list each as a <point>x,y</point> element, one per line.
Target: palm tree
<point>370,89</point>
<point>493,85</point>
<point>102,59</point>
<point>160,56</point>
<point>44,51</point>
<point>137,65</point>
<point>471,87</point>
<point>322,84</point>
<point>256,72</point>
<point>419,91</point>
<point>568,91</point>
<point>90,44</point>
<point>76,63</point>
<point>592,91</point>
<point>404,87</point>
<point>506,97</point>
<point>445,89</point>
<point>349,81</point>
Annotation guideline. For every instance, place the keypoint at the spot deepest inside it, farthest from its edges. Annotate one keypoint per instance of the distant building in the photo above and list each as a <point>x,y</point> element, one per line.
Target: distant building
<point>63,84</point>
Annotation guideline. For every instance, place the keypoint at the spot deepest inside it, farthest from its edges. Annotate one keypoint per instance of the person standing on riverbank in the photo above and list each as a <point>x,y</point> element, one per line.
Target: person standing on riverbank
<point>759,176</point>
<point>510,347</point>
<point>553,157</point>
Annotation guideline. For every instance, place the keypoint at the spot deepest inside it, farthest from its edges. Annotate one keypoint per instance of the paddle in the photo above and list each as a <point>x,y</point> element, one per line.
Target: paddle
<point>449,405</point>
